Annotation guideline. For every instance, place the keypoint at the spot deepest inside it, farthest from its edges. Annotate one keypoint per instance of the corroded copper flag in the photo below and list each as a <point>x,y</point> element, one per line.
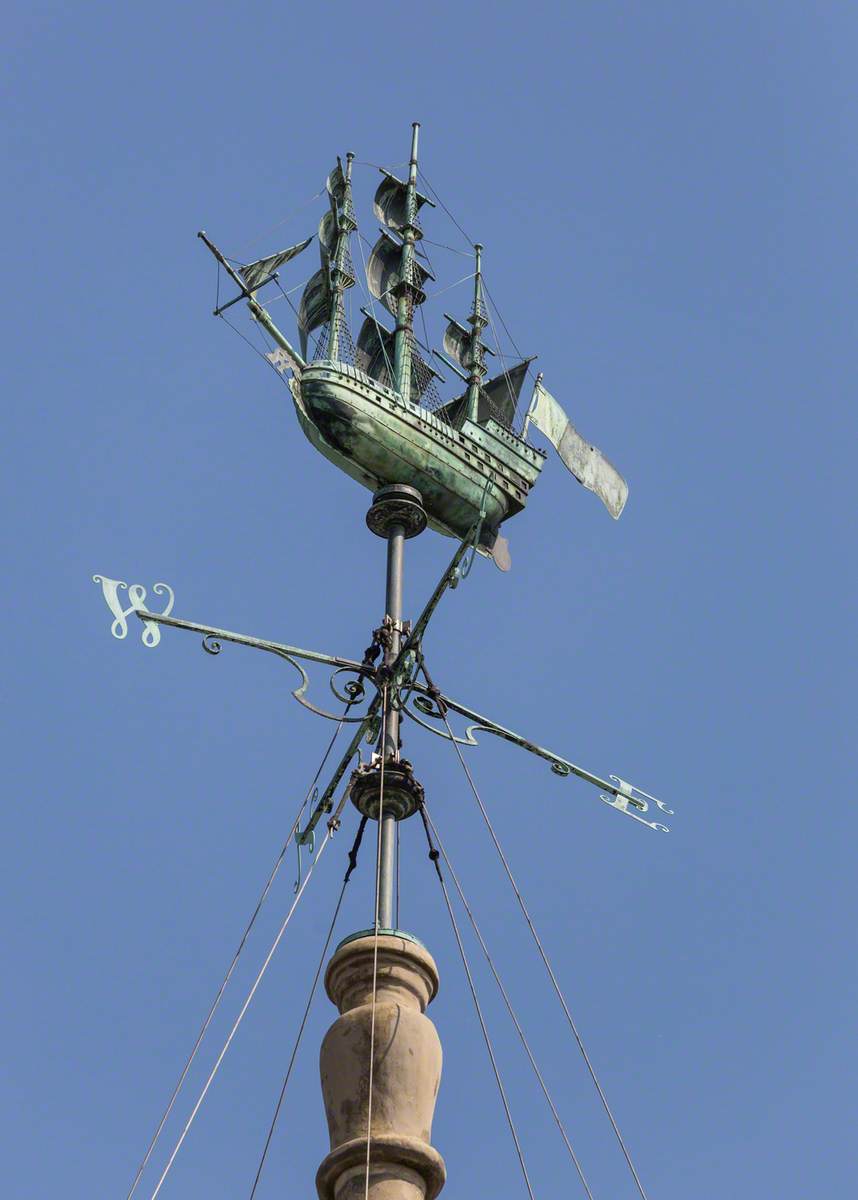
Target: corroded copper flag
<point>587,464</point>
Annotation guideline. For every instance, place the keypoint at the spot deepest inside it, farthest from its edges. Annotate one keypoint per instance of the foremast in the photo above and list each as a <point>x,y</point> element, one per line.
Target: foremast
<point>341,276</point>
<point>478,322</point>
<point>406,288</point>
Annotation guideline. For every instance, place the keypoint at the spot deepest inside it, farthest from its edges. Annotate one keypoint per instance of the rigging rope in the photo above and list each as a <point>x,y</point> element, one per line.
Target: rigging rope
<point>441,291</point>
<point>375,932</point>
<point>352,864</point>
<point>291,213</point>
<point>504,368</point>
<point>240,1016</point>
<point>433,854</point>
<point>444,246</point>
<point>508,1004</point>
<point>542,953</point>
<point>470,241</point>
<point>215,1003</point>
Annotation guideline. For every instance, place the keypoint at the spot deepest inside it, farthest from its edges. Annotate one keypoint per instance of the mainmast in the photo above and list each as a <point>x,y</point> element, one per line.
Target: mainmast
<point>405,297</point>
<point>478,322</point>
<point>340,276</point>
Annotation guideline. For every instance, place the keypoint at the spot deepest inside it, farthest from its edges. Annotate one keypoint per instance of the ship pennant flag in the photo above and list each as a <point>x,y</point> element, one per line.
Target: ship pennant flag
<point>587,464</point>
<point>261,271</point>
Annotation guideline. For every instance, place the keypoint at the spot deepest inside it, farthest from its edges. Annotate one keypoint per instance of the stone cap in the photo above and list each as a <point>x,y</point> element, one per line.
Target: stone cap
<point>407,973</point>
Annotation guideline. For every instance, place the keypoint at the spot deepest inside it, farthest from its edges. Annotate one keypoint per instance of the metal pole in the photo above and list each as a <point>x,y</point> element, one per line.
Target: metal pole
<point>390,749</point>
<point>405,300</point>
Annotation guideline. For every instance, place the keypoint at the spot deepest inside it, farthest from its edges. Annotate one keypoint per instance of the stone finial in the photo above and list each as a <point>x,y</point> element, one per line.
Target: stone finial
<point>406,1073</point>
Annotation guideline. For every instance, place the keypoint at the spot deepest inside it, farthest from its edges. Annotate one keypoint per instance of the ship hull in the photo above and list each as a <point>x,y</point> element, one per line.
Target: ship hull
<point>370,433</point>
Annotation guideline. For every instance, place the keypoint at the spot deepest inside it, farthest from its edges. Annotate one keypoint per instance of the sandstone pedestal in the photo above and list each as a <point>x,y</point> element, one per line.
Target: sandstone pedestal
<point>406,1073</point>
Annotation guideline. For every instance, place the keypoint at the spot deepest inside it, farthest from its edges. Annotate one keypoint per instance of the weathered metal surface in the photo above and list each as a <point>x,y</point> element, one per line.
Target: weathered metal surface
<point>498,398</point>
<point>384,273</point>
<point>396,505</point>
<point>254,273</point>
<point>615,791</point>
<point>587,464</point>
<point>391,201</point>
<point>111,588</point>
<point>375,354</point>
<point>369,432</point>
<point>315,307</point>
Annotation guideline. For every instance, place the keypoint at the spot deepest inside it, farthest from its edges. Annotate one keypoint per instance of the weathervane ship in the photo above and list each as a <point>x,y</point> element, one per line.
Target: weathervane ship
<point>462,466</point>
<point>370,416</point>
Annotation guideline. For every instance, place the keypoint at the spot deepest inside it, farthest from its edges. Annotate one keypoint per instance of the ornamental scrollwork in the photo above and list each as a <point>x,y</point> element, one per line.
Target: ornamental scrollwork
<point>111,588</point>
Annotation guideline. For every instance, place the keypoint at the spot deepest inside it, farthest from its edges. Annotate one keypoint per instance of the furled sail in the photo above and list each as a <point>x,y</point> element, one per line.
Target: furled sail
<point>336,187</point>
<point>459,341</point>
<point>374,355</point>
<point>256,273</point>
<point>383,273</point>
<point>328,234</point>
<point>587,464</point>
<point>315,307</point>
<point>391,202</point>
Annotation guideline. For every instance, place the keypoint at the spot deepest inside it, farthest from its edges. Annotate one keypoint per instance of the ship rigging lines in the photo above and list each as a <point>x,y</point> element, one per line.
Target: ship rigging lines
<point>233,964</point>
<point>555,985</point>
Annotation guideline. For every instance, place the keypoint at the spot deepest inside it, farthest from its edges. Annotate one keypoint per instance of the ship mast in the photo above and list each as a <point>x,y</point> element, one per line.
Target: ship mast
<point>340,278</point>
<point>405,298</point>
<point>478,322</point>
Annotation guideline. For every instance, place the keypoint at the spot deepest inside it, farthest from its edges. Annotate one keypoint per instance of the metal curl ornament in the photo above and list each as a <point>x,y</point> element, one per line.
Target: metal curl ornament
<point>618,793</point>
<point>353,691</point>
<point>211,645</point>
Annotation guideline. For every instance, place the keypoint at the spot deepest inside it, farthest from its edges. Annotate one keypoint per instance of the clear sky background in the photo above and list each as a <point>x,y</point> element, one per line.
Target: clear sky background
<point>666,193</point>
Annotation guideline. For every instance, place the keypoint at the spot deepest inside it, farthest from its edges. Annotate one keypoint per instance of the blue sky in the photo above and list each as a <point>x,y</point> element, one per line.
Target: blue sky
<point>665,193</point>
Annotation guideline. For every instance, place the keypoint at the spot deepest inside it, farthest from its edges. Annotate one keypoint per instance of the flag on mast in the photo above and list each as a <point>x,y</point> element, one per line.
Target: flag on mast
<point>586,462</point>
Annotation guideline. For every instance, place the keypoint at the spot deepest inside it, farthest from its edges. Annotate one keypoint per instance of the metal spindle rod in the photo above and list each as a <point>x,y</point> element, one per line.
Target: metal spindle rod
<point>396,515</point>
<point>393,607</point>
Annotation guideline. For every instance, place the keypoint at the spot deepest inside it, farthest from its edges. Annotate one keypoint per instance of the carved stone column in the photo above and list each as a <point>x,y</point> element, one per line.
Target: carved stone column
<point>406,1073</point>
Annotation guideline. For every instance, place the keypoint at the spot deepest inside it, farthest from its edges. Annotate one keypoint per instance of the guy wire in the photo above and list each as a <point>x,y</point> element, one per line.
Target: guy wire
<point>543,955</point>
<point>375,933</point>
<point>240,1016</point>
<point>508,1004</point>
<point>352,864</point>
<point>214,1006</point>
<point>433,854</point>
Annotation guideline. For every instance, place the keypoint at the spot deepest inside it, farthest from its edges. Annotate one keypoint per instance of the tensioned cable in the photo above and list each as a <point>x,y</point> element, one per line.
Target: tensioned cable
<point>375,934</point>
<point>444,246</point>
<point>291,213</point>
<point>433,854</point>
<point>504,368</point>
<point>244,338</point>
<point>352,864</point>
<point>240,1016</point>
<point>508,1004</point>
<point>530,370</point>
<point>422,175</point>
<point>447,287</point>
<point>544,957</point>
<point>213,1009</point>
